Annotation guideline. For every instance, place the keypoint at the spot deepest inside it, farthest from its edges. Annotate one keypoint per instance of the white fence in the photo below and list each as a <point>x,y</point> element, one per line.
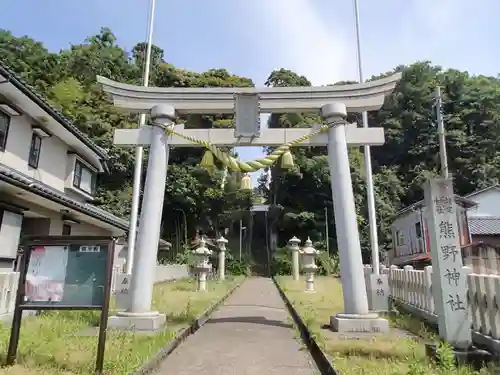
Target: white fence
<point>8,288</point>
<point>413,290</point>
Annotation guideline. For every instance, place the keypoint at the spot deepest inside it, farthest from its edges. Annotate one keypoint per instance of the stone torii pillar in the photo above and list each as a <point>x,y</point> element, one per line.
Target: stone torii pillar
<point>138,314</point>
<point>356,316</point>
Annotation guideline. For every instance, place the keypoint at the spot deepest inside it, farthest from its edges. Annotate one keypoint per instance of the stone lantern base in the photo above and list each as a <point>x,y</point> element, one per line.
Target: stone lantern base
<point>309,273</point>
<point>202,273</point>
<point>353,323</point>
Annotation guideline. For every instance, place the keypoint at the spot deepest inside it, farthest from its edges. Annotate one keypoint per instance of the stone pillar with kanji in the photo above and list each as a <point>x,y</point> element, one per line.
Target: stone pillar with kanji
<point>378,292</point>
<point>449,278</point>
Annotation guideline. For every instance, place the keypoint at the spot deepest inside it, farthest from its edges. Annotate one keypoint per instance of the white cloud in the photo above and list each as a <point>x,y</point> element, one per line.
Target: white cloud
<point>432,24</point>
<point>302,41</point>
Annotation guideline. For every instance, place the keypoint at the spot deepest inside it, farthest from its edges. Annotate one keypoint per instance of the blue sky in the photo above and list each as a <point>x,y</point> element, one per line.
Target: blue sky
<point>251,38</point>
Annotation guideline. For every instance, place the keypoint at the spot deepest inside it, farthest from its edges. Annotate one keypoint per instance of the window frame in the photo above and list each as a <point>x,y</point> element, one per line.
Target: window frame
<point>7,118</point>
<point>418,230</point>
<point>34,163</point>
<point>77,177</point>
<point>65,227</point>
<point>400,238</point>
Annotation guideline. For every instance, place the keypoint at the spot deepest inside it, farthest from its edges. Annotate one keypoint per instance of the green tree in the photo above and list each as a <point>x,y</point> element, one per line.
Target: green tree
<point>194,197</point>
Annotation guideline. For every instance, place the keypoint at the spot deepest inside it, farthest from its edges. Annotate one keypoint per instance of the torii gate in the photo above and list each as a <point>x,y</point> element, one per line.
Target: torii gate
<point>333,102</point>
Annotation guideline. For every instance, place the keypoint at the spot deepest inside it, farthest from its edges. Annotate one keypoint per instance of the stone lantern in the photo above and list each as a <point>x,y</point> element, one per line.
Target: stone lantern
<point>294,247</point>
<point>309,254</point>
<point>221,242</point>
<point>202,264</point>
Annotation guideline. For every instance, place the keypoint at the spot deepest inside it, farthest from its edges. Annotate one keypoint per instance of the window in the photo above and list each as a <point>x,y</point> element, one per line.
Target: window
<point>400,238</point>
<point>84,178</point>
<point>35,148</point>
<point>4,130</point>
<point>418,229</point>
<point>66,230</point>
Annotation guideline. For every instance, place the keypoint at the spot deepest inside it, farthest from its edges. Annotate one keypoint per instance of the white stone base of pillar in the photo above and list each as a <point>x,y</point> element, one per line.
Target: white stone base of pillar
<point>295,265</point>
<point>127,321</point>
<point>354,323</point>
<point>202,282</point>
<point>310,283</point>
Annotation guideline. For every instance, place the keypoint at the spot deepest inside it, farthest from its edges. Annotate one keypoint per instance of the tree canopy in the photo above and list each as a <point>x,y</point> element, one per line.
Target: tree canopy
<point>194,196</point>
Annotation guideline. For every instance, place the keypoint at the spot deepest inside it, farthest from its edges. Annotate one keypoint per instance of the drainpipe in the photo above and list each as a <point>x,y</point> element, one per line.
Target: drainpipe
<point>424,230</point>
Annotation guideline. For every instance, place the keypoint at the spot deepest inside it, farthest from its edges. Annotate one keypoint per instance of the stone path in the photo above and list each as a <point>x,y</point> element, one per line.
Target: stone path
<point>251,334</point>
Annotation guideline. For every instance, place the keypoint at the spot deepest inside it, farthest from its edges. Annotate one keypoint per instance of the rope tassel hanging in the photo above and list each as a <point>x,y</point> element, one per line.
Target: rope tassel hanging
<point>246,182</point>
<point>287,160</point>
<point>207,161</point>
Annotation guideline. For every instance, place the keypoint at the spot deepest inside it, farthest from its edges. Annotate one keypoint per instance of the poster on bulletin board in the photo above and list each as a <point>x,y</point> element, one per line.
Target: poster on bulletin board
<point>66,275</point>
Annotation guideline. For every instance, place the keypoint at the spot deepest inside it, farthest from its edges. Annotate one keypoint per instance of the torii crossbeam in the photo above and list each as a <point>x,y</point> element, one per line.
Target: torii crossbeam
<point>164,104</point>
<point>269,137</point>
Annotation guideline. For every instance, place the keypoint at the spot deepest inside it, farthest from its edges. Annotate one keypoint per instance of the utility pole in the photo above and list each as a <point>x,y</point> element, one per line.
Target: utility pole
<point>438,106</point>
<point>326,232</point>
<point>136,189</point>
<point>242,228</point>
<point>370,195</point>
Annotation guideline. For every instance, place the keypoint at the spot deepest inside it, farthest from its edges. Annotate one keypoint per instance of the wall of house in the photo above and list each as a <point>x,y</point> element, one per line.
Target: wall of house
<point>52,163</point>
<point>81,229</point>
<point>50,223</point>
<point>488,203</point>
<point>55,165</point>
<point>412,244</point>
<point>490,240</point>
<point>10,235</point>
<point>406,226</point>
<point>483,259</point>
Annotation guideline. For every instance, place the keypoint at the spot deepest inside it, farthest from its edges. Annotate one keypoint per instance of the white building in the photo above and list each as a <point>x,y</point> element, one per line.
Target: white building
<point>479,226</point>
<point>484,219</point>
<point>48,171</point>
<point>410,239</point>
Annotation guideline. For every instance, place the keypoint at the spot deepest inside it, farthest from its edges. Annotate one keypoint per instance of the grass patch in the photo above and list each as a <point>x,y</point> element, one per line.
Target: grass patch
<point>400,351</point>
<point>50,344</point>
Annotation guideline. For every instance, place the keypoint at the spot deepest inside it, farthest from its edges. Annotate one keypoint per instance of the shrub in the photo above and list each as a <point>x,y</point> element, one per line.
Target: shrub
<point>281,264</point>
<point>328,265</point>
<point>236,268</point>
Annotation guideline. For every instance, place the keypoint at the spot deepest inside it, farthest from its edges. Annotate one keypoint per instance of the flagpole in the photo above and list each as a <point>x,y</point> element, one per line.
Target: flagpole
<point>441,133</point>
<point>372,218</point>
<point>136,190</point>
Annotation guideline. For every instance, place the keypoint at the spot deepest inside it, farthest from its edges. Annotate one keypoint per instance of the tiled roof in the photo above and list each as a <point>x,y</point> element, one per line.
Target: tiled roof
<point>474,193</point>
<point>467,203</point>
<point>42,103</point>
<point>27,183</point>
<point>484,225</point>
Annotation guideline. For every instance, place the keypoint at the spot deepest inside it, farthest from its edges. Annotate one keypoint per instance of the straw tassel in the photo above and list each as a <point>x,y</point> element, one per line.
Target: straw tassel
<point>246,182</point>
<point>207,161</point>
<point>287,160</point>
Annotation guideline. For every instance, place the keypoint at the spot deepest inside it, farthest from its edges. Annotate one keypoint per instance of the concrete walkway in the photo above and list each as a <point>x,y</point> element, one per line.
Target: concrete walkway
<point>251,334</point>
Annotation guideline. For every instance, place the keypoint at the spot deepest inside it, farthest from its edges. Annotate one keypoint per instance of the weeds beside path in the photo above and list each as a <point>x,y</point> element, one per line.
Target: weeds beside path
<point>400,351</point>
<point>53,342</point>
